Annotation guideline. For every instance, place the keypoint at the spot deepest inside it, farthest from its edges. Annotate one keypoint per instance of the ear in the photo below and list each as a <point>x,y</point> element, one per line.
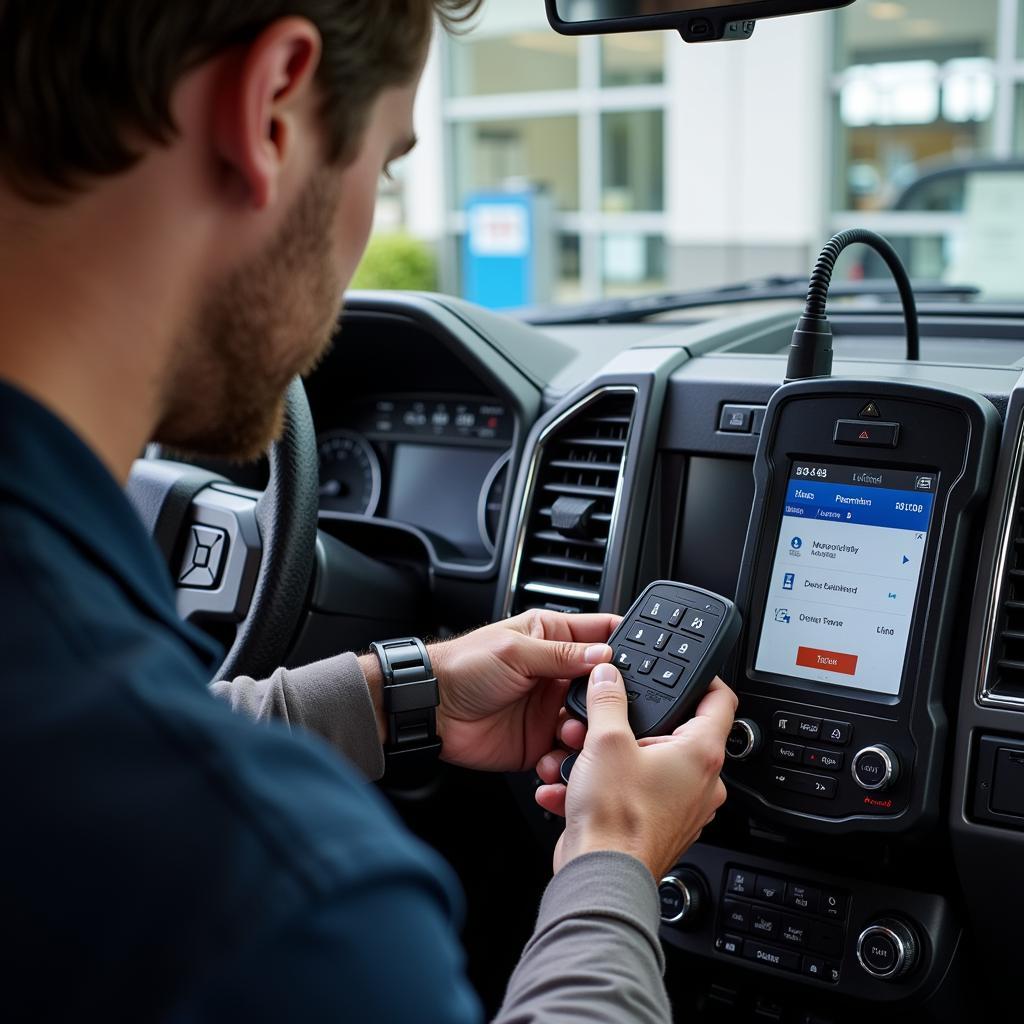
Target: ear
<point>263,105</point>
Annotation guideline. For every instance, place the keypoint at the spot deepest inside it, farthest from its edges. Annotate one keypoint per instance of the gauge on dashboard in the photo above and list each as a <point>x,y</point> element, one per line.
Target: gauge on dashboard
<point>350,474</point>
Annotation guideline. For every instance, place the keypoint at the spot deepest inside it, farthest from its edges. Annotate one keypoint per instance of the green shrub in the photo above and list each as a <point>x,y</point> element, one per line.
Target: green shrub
<point>397,261</point>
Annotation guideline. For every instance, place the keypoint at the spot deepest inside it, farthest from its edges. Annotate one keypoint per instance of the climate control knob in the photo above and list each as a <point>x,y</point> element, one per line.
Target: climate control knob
<point>876,767</point>
<point>682,895</point>
<point>744,740</point>
<point>888,949</point>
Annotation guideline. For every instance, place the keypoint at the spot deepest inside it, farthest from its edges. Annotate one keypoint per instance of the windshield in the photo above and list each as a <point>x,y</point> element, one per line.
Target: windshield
<point>557,169</point>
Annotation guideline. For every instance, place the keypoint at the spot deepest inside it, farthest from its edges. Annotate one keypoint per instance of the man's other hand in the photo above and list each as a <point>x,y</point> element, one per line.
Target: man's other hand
<point>503,686</point>
<point>649,798</point>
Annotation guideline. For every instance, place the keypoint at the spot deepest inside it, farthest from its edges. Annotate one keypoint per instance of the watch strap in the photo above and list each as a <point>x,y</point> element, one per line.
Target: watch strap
<point>409,697</point>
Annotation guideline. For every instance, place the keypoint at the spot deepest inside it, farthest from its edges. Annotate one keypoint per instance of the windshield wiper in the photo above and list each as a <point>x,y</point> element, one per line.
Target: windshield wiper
<point>780,287</point>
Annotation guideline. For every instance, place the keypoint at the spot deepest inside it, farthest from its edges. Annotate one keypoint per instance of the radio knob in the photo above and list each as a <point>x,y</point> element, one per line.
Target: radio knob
<point>888,949</point>
<point>875,767</point>
<point>682,897</point>
<point>744,740</point>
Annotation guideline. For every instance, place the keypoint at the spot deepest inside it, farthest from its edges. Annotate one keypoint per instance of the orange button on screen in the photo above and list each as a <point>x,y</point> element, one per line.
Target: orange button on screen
<point>830,661</point>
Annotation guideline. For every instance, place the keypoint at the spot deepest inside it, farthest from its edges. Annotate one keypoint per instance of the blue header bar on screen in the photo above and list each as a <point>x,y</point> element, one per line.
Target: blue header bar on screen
<point>866,506</point>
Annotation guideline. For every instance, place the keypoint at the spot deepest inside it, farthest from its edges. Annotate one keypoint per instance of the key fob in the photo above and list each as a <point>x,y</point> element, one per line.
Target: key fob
<point>669,646</point>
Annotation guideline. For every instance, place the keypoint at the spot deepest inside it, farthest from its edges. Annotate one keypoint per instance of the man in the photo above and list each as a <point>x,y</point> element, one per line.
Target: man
<point>185,190</point>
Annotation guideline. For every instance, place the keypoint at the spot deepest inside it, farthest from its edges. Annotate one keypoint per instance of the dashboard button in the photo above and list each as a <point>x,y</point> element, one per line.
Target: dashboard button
<point>656,610</point>
<point>783,721</point>
<point>687,647</point>
<point>826,939</point>
<point>821,786</point>
<point>836,732</point>
<point>830,760</point>
<point>640,634</point>
<point>736,915</point>
<point>667,673</point>
<point>646,665</point>
<point>875,767</point>
<point>675,616</point>
<point>740,882</point>
<point>867,433</point>
<point>736,419</point>
<point>787,753</point>
<point>832,903</point>
<point>623,660</point>
<point>802,897</point>
<point>731,944</point>
<point>771,890</point>
<point>764,922</point>
<point>809,728</point>
<point>793,932</point>
<point>814,967</point>
<point>773,957</point>
<point>661,638</point>
<point>744,739</point>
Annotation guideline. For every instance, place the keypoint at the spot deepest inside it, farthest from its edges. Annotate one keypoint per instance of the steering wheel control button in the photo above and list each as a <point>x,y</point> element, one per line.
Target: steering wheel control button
<point>830,760</point>
<point>802,897</point>
<point>887,949</point>
<point>646,665</point>
<point>836,732</point>
<point>744,740</point>
<point>204,555</point>
<point>867,434</point>
<point>740,882</point>
<point>771,956</point>
<point>656,611</point>
<point>787,753</point>
<point>875,768</point>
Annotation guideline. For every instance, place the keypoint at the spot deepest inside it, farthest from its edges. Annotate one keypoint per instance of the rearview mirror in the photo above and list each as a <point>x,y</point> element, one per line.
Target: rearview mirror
<point>697,21</point>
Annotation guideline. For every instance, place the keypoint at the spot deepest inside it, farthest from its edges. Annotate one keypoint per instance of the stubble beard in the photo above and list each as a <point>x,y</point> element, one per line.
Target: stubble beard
<point>268,321</point>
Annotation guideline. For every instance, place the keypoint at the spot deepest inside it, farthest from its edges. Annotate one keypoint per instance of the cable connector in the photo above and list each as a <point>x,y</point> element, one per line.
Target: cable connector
<point>810,352</point>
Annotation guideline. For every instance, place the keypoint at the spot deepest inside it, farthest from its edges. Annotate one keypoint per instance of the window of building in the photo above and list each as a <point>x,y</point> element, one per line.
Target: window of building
<point>493,65</point>
<point>633,58</point>
<point>632,161</point>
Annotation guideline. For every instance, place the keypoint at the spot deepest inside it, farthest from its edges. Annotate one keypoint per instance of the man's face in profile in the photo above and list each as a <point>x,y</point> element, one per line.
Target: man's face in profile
<point>273,317</point>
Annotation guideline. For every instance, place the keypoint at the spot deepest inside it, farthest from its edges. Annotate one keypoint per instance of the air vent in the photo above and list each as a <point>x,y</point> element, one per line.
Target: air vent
<point>1003,682</point>
<point>571,505</point>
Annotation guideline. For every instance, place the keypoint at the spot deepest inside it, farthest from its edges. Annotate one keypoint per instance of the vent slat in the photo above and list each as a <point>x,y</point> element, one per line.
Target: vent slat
<point>580,490</point>
<point>554,537</point>
<point>582,458</point>
<point>573,564</point>
<point>1007,655</point>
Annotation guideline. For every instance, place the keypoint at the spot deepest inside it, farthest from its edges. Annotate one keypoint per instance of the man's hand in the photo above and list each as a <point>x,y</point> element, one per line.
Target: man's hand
<point>503,686</point>
<point>649,798</point>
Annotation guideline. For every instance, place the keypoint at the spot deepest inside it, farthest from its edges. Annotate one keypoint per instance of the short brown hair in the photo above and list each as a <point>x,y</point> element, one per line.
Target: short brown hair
<point>80,79</point>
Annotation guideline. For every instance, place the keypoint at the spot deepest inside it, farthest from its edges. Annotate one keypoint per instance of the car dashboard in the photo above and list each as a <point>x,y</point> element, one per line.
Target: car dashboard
<point>451,437</point>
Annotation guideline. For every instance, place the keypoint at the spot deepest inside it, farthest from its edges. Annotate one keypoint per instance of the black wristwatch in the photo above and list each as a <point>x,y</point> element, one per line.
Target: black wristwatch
<point>409,698</point>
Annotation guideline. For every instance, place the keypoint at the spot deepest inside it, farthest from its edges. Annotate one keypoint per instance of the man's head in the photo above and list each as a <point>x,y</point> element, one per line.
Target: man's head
<point>263,125</point>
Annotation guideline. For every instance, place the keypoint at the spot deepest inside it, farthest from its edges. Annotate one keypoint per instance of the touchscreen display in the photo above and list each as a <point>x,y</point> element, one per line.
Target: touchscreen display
<point>844,578</point>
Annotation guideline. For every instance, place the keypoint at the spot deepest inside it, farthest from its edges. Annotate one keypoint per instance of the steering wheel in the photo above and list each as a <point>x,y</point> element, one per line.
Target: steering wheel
<point>237,556</point>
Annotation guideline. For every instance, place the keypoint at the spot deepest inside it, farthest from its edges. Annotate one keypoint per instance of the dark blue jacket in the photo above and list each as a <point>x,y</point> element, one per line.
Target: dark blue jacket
<point>163,858</point>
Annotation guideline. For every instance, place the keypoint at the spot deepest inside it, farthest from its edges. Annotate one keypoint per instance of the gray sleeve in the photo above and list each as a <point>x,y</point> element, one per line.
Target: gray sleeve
<point>330,698</point>
<point>594,955</point>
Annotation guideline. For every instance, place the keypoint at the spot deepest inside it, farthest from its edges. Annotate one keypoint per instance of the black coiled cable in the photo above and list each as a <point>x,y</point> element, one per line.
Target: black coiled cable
<point>811,352</point>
